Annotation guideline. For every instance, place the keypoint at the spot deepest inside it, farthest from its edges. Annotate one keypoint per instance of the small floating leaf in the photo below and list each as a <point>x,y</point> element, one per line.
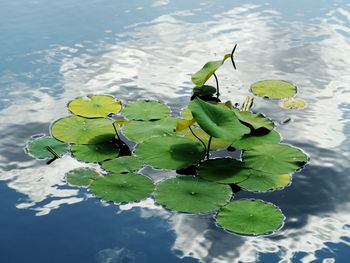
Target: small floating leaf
<point>82,176</point>
<point>249,141</point>
<point>123,164</point>
<point>170,152</point>
<point>95,152</point>
<point>250,216</point>
<point>223,170</point>
<point>216,143</point>
<point>122,187</point>
<point>184,124</point>
<point>191,194</point>
<point>200,77</point>
<point>37,147</point>
<point>139,131</point>
<point>186,114</point>
<point>259,181</point>
<point>145,110</point>
<point>274,89</point>
<point>292,103</point>
<point>204,90</point>
<point>255,120</point>
<point>80,130</point>
<point>94,106</point>
<point>274,158</point>
<point>217,121</point>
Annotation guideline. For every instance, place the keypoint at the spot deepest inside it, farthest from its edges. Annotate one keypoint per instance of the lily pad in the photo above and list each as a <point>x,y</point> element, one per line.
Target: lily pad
<point>292,103</point>
<point>170,152</point>
<point>216,143</point>
<point>122,187</point>
<point>204,90</point>
<point>191,194</point>
<point>95,106</point>
<point>200,77</point>
<point>82,176</point>
<point>139,131</point>
<point>37,147</point>
<point>223,170</point>
<point>80,130</point>
<point>145,110</point>
<point>259,181</point>
<point>217,121</point>
<point>95,152</point>
<point>274,158</point>
<point>274,89</point>
<point>123,164</point>
<point>249,141</point>
<point>255,120</point>
<point>250,216</point>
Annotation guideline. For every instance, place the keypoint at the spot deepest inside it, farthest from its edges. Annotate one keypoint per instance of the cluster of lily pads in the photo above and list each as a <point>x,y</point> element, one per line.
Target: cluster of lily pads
<point>183,143</point>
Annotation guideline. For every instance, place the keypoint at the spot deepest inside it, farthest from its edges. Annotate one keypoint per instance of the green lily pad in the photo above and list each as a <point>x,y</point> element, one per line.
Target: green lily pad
<point>95,152</point>
<point>216,143</point>
<point>255,120</point>
<point>94,106</point>
<point>82,176</point>
<point>145,110</point>
<point>274,158</point>
<point>191,194</point>
<point>250,216</point>
<point>223,170</point>
<point>204,90</point>
<point>80,130</point>
<point>292,103</point>
<point>274,89</point>
<point>122,187</point>
<point>201,76</point>
<point>37,147</point>
<point>259,181</point>
<point>123,164</point>
<point>170,152</point>
<point>217,121</point>
<point>249,141</point>
<point>139,131</point>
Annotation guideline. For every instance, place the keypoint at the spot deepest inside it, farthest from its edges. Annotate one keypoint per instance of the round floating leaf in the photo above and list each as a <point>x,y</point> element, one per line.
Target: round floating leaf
<point>259,181</point>
<point>80,130</point>
<point>216,143</point>
<point>139,131</point>
<point>170,152</point>
<point>250,216</point>
<point>95,152</point>
<point>224,170</point>
<point>122,187</point>
<point>204,90</point>
<point>249,141</point>
<point>37,147</point>
<point>294,103</point>
<point>82,176</point>
<point>145,110</point>
<point>255,120</point>
<point>217,121</point>
<point>201,76</point>
<point>123,164</point>
<point>94,106</point>
<point>274,89</point>
<point>191,194</point>
<point>274,158</point>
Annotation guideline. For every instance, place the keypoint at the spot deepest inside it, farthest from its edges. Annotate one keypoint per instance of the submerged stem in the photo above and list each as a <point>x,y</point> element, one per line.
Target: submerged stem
<point>208,148</point>
<point>199,139</point>
<point>217,85</point>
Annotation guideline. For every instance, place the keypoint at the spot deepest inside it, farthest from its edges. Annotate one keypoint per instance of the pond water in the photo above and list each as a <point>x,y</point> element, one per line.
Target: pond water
<point>54,51</point>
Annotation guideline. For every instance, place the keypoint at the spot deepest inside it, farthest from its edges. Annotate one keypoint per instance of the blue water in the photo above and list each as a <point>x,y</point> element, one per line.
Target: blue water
<point>54,51</point>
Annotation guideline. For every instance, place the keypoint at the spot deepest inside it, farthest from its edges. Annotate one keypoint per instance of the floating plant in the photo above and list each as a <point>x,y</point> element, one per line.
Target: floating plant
<point>184,144</point>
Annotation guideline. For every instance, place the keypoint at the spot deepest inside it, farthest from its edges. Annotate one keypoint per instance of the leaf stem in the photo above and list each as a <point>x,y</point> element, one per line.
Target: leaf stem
<point>52,151</point>
<point>116,131</point>
<point>233,62</point>
<point>208,148</point>
<point>199,139</point>
<point>217,85</point>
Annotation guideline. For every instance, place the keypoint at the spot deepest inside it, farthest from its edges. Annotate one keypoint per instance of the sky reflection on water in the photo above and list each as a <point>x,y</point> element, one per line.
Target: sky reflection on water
<point>152,55</point>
